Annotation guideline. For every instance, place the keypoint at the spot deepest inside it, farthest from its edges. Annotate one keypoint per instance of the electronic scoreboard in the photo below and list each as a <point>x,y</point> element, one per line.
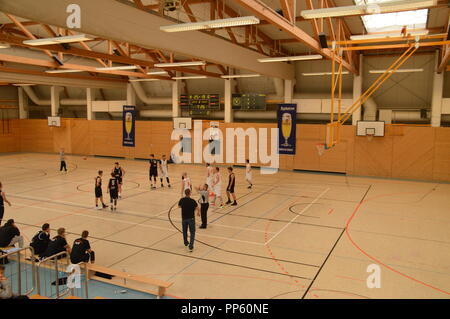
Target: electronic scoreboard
<point>200,104</point>
<point>249,102</point>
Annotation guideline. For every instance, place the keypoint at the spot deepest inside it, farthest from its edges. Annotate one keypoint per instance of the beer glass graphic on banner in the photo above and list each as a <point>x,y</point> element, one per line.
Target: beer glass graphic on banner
<point>286,127</point>
<point>128,123</point>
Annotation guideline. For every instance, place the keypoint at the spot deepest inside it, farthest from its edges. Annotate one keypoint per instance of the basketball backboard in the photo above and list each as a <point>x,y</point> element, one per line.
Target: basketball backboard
<point>370,128</point>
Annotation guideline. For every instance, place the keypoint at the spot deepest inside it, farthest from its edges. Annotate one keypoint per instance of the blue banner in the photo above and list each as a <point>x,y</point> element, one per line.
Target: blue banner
<point>128,125</point>
<point>287,124</point>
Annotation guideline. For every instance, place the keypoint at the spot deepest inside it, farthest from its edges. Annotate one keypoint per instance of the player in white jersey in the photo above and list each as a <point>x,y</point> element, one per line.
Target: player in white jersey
<point>217,187</point>
<point>185,183</point>
<point>209,176</point>
<point>164,171</point>
<point>248,174</point>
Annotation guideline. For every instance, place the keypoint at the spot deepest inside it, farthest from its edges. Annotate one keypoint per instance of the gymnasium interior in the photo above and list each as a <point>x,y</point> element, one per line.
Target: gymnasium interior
<point>350,190</point>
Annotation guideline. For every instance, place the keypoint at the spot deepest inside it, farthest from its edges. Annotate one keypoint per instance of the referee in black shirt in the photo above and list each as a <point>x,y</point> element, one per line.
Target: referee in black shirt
<point>188,209</point>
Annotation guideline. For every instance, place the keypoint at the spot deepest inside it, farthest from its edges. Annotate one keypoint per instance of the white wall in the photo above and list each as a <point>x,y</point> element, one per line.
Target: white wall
<point>318,84</point>
<point>402,90</point>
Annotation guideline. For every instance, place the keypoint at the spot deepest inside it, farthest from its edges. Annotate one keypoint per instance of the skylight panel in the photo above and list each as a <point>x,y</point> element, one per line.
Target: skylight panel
<point>393,21</point>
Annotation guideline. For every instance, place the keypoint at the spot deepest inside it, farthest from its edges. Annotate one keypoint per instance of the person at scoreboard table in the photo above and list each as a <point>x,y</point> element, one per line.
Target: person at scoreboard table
<point>164,171</point>
<point>119,174</point>
<point>153,171</point>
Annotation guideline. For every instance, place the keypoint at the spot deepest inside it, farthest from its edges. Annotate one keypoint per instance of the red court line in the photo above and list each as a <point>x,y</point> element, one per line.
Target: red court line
<point>377,260</point>
<point>266,238</point>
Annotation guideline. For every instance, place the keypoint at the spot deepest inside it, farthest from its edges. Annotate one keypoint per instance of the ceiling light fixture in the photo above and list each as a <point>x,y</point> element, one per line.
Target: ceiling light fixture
<point>117,68</point>
<point>176,64</point>
<point>211,24</point>
<point>235,76</point>
<point>62,71</point>
<point>388,35</point>
<point>189,77</point>
<point>143,80</point>
<point>58,40</point>
<point>396,71</point>
<point>365,9</point>
<point>324,73</point>
<point>292,58</point>
<point>157,73</point>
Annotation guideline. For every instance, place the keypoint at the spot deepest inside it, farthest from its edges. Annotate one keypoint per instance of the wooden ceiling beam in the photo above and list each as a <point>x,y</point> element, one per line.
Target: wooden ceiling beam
<point>70,76</point>
<point>26,31</point>
<point>69,66</point>
<point>264,11</point>
<point>17,41</point>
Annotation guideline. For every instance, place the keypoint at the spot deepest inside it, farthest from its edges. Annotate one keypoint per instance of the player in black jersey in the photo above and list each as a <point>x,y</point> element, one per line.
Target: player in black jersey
<point>3,200</point>
<point>98,190</point>
<point>153,170</point>
<point>113,190</point>
<point>230,187</point>
<point>119,174</point>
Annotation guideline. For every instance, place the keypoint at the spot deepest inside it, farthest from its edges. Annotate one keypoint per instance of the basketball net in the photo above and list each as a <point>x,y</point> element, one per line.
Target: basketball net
<point>321,147</point>
<point>369,137</point>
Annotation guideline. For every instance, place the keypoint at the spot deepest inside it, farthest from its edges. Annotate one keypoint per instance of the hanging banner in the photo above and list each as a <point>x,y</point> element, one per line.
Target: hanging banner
<point>128,123</point>
<point>287,124</point>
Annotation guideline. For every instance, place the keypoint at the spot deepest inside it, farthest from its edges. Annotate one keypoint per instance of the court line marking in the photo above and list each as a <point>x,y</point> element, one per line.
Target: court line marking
<point>299,214</point>
<point>149,226</point>
<point>176,254</point>
<point>375,259</point>
<point>134,213</point>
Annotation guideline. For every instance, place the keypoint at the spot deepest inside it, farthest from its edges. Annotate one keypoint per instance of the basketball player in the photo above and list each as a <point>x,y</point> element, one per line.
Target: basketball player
<point>153,171</point>
<point>230,187</point>
<point>3,200</point>
<point>217,187</point>
<point>248,174</point>
<point>209,174</point>
<point>119,174</point>
<point>164,171</point>
<point>98,190</point>
<point>113,190</point>
<point>185,184</point>
<point>62,159</point>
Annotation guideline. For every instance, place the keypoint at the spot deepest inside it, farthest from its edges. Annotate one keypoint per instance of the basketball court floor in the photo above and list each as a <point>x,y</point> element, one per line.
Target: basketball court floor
<point>294,235</point>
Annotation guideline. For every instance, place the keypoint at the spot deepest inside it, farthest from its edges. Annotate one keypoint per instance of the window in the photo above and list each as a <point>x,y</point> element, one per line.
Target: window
<point>386,22</point>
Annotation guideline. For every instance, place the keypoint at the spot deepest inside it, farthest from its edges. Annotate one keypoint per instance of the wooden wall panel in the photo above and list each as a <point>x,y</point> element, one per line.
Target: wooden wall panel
<point>373,158</point>
<point>106,138</point>
<point>409,152</point>
<point>307,156</point>
<point>413,153</point>
<point>36,136</point>
<point>62,136</point>
<point>335,159</point>
<point>80,137</point>
<point>441,164</point>
<point>153,138</point>
<point>9,141</point>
